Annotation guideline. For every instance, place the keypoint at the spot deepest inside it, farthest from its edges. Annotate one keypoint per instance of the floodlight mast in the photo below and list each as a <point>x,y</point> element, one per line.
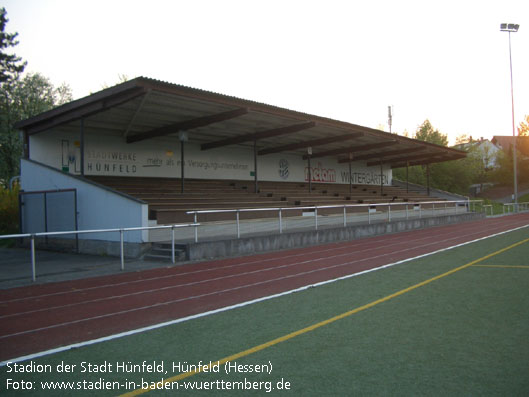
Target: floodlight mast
<point>390,118</point>
<point>512,28</point>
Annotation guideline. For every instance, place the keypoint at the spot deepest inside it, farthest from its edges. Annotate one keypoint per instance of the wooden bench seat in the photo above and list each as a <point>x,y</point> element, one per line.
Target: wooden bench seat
<point>168,216</point>
<point>168,205</point>
<point>206,200</point>
<point>216,204</point>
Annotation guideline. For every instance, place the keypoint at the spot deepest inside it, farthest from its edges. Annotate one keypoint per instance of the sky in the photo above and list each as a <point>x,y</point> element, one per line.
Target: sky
<point>445,61</point>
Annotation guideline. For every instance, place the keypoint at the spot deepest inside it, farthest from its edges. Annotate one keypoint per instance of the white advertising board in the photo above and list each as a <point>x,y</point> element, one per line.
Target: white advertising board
<point>109,155</point>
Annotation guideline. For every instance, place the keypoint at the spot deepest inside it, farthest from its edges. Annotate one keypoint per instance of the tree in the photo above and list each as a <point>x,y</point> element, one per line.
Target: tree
<point>122,78</point>
<point>452,176</point>
<point>10,65</point>
<point>461,139</point>
<point>523,129</point>
<point>19,100</point>
<point>503,174</point>
<point>427,133</point>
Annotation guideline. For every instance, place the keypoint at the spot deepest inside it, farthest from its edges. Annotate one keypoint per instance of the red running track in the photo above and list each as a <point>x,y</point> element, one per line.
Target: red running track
<point>37,318</point>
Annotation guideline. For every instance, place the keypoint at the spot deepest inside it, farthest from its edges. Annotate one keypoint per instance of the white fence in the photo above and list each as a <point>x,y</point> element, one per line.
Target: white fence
<point>121,232</point>
<point>408,210</point>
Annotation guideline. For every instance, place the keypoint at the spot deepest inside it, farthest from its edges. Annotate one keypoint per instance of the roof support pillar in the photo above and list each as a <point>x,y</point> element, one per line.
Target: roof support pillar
<point>255,165</point>
<point>407,177</point>
<point>182,136</point>
<point>381,178</point>
<point>350,173</point>
<point>82,146</point>
<point>309,152</point>
<point>428,179</point>
<point>182,175</point>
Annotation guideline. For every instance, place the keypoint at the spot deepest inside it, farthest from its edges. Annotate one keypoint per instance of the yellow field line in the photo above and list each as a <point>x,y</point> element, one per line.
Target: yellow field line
<point>504,266</point>
<point>323,323</point>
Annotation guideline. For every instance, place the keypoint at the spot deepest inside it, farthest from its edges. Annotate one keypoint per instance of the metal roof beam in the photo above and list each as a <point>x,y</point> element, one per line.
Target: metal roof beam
<point>423,162</point>
<point>406,158</point>
<point>384,154</point>
<point>352,149</point>
<point>77,113</point>
<point>138,110</point>
<point>258,135</point>
<point>188,125</point>
<point>311,143</point>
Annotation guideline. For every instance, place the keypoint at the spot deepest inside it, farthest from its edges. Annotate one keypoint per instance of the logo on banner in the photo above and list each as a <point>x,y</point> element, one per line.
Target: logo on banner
<point>320,174</point>
<point>283,169</point>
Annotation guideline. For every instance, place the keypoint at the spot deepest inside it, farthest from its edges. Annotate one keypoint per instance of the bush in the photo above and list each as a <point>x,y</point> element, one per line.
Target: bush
<point>497,208</point>
<point>524,198</point>
<point>9,218</point>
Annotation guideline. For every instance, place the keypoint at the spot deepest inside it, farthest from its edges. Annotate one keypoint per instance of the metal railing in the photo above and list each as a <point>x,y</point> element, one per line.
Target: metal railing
<point>486,207</point>
<point>515,207</point>
<point>417,206</point>
<point>505,208</point>
<point>445,207</point>
<point>121,232</point>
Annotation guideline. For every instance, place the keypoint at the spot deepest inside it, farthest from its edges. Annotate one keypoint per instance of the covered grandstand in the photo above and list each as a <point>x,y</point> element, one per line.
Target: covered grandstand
<point>166,150</point>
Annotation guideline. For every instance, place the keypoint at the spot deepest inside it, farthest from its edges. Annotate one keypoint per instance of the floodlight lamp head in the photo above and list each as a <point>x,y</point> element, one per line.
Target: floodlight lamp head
<point>509,27</point>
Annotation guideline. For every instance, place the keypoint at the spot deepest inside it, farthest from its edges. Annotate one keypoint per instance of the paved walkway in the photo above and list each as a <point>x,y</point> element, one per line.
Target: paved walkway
<point>508,199</point>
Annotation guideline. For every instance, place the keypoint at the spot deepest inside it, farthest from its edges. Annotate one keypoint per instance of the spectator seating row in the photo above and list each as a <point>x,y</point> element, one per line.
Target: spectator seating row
<point>167,203</point>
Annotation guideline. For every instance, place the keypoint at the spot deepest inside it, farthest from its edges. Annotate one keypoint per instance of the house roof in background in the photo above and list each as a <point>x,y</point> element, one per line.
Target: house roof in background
<point>505,142</point>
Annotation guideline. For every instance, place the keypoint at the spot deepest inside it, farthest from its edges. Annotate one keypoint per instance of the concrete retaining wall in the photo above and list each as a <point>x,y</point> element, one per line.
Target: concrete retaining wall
<point>91,247</point>
<point>251,245</point>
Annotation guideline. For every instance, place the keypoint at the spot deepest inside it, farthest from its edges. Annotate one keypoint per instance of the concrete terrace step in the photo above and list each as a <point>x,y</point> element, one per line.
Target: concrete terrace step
<point>162,190</point>
<point>168,205</point>
<point>162,252</point>
<point>169,216</point>
<point>191,206</point>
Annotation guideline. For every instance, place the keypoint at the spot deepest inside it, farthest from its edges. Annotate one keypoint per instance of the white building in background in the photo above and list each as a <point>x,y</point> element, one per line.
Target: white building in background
<point>486,150</point>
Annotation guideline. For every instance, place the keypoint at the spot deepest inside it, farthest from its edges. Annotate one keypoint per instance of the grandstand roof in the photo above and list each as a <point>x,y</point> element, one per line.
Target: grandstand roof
<point>144,108</point>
